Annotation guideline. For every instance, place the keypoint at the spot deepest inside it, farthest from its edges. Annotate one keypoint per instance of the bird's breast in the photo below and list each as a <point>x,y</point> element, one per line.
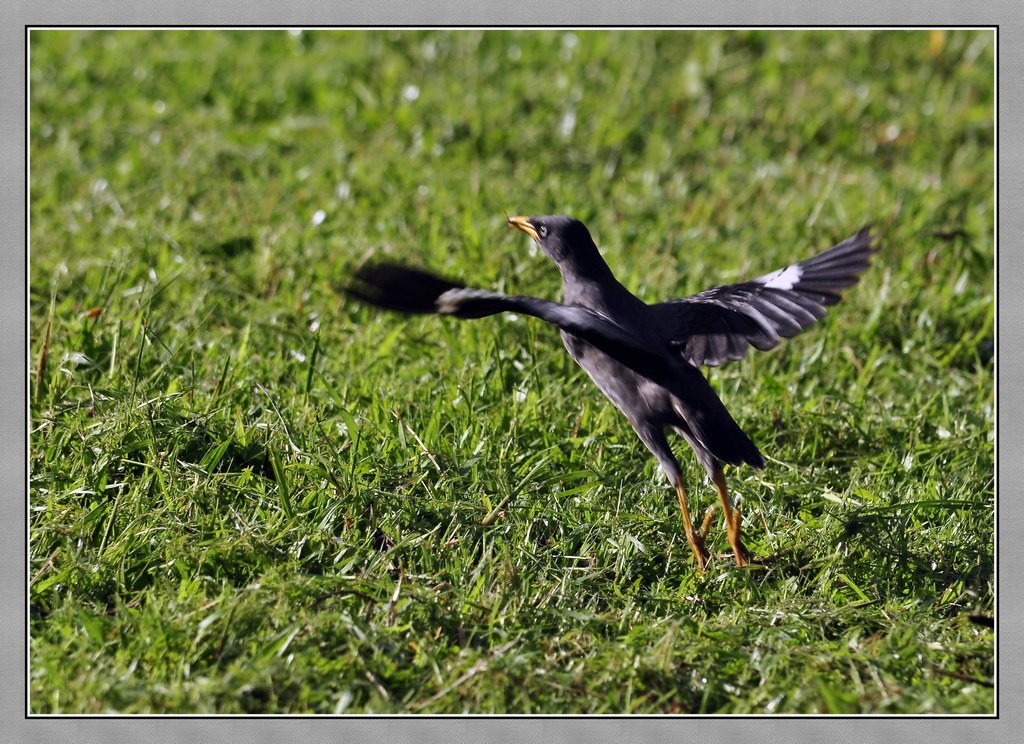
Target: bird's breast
<point>632,393</point>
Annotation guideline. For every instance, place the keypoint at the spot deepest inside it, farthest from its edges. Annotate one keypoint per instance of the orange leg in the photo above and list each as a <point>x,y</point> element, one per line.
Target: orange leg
<point>692,536</point>
<point>709,515</point>
<point>733,519</point>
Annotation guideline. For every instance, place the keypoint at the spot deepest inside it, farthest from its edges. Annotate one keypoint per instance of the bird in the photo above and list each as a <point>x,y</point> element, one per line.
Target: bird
<point>647,358</point>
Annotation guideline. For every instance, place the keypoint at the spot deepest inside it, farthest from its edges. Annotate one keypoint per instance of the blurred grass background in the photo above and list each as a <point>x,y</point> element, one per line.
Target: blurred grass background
<point>250,495</point>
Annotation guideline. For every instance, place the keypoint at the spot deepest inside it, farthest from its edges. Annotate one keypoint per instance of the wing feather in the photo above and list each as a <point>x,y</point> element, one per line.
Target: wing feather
<point>400,288</point>
<point>717,325</point>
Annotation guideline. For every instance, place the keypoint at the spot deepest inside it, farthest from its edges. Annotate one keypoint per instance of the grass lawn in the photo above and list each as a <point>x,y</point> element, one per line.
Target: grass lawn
<point>251,495</point>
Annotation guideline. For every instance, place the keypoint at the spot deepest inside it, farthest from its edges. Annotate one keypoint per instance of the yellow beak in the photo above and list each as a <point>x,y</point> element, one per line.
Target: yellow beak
<point>523,223</point>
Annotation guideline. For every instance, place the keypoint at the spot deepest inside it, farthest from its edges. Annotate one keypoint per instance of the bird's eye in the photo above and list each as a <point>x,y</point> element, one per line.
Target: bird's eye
<point>543,231</point>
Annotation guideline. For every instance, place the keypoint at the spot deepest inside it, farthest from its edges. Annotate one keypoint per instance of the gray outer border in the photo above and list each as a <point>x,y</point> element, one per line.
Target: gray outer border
<point>527,13</point>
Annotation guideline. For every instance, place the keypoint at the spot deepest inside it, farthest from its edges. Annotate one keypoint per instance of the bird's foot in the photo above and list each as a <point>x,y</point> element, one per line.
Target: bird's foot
<point>696,541</point>
<point>732,524</point>
<point>738,548</point>
<point>709,516</point>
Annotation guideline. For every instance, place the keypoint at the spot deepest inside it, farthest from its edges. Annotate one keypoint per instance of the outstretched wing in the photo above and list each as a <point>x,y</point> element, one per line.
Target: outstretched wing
<point>717,325</point>
<point>406,290</point>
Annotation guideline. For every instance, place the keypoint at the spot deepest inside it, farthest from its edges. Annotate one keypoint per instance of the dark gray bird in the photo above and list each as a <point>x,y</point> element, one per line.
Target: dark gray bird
<point>646,358</point>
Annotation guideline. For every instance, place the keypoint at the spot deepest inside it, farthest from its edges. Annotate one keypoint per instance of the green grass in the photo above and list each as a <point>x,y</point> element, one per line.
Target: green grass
<point>251,495</point>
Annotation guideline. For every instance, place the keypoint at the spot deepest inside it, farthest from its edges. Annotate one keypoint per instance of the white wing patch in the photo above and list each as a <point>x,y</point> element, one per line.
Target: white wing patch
<point>448,303</point>
<point>784,279</point>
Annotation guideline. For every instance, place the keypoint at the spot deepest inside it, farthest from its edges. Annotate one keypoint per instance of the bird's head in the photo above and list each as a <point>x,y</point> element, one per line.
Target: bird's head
<point>564,240</point>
